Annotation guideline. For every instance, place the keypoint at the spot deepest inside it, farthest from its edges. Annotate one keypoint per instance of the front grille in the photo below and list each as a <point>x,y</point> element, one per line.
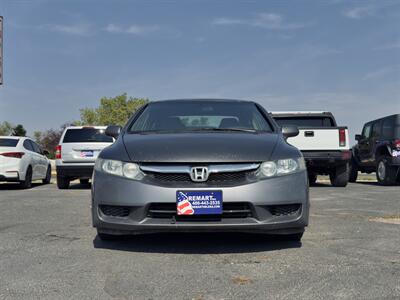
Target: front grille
<point>230,210</point>
<point>115,211</point>
<point>213,178</point>
<point>284,210</point>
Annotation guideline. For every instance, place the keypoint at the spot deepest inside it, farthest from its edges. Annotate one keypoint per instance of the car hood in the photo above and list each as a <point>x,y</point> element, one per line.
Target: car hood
<point>200,147</point>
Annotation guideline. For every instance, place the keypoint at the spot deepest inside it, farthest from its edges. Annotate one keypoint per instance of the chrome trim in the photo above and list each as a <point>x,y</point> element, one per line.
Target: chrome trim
<point>211,168</point>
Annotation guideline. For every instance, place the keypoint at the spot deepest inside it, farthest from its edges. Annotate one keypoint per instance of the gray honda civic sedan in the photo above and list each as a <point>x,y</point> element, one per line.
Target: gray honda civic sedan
<point>200,165</point>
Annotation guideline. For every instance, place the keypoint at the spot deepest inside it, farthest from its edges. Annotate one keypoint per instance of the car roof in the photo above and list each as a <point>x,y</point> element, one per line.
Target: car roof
<point>397,116</point>
<point>300,112</point>
<point>86,126</point>
<point>11,137</point>
<point>203,100</point>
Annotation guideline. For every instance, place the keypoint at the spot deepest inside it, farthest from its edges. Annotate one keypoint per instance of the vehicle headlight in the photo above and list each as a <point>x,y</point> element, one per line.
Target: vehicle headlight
<point>281,167</point>
<point>118,168</point>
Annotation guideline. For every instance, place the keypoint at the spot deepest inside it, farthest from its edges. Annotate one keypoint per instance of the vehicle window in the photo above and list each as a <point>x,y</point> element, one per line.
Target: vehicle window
<point>35,147</point>
<point>28,146</point>
<point>305,121</point>
<point>388,128</point>
<point>366,131</point>
<point>200,115</point>
<point>86,135</point>
<point>376,129</point>
<point>8,142</point>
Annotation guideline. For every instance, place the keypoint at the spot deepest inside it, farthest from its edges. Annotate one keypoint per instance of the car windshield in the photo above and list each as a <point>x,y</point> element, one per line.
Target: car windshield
<point>304,121</point>
<point>192,116</point>
<point>86,135</point>
<point>8,142</point>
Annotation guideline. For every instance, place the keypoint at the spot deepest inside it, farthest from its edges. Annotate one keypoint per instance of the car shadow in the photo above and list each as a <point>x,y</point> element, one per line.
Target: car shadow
<point>320,185</point>
<point>79,186</point>
<point>16,186</point>
<point>197,243</point>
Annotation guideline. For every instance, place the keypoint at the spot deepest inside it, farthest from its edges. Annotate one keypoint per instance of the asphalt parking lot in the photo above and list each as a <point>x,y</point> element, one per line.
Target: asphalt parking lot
<point>351,250</point>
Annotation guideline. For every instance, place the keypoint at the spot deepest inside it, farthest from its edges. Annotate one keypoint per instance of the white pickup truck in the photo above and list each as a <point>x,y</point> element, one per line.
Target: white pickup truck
<point>324,145</point>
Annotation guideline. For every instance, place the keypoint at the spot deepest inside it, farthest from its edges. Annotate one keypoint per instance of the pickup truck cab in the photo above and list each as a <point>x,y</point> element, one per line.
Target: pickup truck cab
<point>378,150</point>
<point>325,146</point>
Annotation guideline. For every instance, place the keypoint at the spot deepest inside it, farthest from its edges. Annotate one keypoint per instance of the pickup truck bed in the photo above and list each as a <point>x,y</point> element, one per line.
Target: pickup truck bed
<point>325,146</point>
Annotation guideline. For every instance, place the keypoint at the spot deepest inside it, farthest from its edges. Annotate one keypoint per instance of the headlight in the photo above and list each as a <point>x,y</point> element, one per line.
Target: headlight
<point>281,167</point>
<point>119,168</point>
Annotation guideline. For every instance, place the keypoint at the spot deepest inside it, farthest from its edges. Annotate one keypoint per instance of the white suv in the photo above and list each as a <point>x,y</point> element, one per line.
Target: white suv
<point>22,160</point>
<point>77,151</point>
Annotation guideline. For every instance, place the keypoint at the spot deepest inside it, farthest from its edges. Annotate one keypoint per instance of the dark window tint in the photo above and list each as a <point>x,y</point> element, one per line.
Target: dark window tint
<point>8,142</point>
<point>86,135</point>
<point>305,121</point>
<point>35,147</point>
<point>376,129</point>
<point>28,146</point>
<point>388,128</point>
<point>200,115</point>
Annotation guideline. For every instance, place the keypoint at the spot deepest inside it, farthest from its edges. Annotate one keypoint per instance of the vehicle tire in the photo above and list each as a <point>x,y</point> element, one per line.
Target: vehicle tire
<point>353,171</point>
<point>312,178</point>
<point>106,237</point>
<point>47,179</point>
<point>27,183</point>
<point>385,174</point>
<point>340,176</point>
<point>62,182</point>
<point>84,181</point>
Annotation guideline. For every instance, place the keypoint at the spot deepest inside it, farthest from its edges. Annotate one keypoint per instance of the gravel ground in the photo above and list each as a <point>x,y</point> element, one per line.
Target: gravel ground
<point>351,250</point>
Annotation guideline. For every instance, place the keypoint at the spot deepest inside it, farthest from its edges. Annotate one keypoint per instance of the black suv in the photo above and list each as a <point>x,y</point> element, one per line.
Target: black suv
<point>378,150</point>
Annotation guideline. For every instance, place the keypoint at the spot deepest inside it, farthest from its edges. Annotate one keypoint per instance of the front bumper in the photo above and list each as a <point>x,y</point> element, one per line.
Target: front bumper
<point>259,196</point>
<point>10,178</point>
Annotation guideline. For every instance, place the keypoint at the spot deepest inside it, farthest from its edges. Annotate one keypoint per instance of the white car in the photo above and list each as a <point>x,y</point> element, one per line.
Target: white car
<point>22,160</point>
<point>77,151</point>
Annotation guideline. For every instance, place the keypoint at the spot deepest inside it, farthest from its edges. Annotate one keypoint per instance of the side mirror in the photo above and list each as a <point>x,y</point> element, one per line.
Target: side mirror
<point>113,131</point>
<point>45,152</point>
<point>358,137</point>
<point>290,131</point>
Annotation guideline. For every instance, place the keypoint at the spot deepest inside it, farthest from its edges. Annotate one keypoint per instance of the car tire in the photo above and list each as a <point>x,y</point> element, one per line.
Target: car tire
<point>106,237</point>
<point>84,181</point>
<point>353,171</point>
<point>340,176</point>
<point>385,173</point>
<point>312,178</point>
<point>62,182</point>
<point>47,179</point>
<point>27,183</point>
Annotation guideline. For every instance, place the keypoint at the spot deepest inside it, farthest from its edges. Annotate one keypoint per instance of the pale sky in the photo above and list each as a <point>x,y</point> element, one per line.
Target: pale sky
<point>333,55</point>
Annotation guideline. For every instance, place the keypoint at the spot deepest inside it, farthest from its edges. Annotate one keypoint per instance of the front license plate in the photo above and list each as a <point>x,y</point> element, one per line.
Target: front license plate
<point>198,202</point>
<point>87,153</point>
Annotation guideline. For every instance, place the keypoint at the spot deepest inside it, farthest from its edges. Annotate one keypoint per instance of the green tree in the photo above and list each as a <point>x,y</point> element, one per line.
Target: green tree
<point>6,128</point>
<point>19,130</point>
<point>111,111</point>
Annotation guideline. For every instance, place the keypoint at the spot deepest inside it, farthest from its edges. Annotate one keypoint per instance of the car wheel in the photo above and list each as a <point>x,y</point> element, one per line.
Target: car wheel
<point>27,183</point>
<point>106,237</point>
<point>84,181</point>
<point>340,176</point>
<point>385,174</point>
<point>312,178</point>
<point>353,171</point>
<point>47,179</point>
<point>62,182</point>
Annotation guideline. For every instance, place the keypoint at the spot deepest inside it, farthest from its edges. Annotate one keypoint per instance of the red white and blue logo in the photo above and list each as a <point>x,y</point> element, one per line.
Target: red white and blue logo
<point>198,202</point>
